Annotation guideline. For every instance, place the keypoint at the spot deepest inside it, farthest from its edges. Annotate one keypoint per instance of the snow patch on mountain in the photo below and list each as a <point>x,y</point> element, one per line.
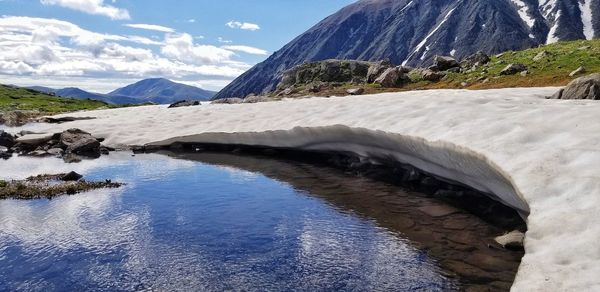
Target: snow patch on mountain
<point>431,33</point>
<point>523,11</point>
<point>586,17</point>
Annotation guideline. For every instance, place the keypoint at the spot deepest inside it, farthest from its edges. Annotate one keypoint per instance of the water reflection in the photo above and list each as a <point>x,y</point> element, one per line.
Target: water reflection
<point>211,226</point>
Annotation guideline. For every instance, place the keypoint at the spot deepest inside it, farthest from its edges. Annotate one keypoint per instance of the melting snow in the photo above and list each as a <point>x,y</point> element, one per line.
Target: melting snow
<point>552,38</point>
<point>524,12</point>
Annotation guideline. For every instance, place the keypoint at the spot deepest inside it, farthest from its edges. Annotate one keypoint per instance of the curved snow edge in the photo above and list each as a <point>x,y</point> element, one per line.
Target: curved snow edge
<point>439,158</point>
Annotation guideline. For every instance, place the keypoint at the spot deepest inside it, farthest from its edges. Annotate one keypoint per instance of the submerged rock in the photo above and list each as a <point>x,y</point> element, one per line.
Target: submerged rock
<point>587,87</point>
<point>512,240</point>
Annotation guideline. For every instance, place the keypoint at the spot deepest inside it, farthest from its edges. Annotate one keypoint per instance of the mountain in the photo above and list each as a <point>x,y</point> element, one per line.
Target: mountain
<point>157,90</point>
<point>160,90</point>
<point>412,32</point>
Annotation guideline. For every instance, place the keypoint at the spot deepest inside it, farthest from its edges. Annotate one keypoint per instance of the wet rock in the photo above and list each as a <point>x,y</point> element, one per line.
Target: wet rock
<point>71,176</point>
<point>438,210</point>
<point>230,100</point>
<point>55,151</point>
<point>184,103</point>
<point>512,240</point>
<point>5,153</point>
<point>79,142</point>
<point>443,63</point>
<point>587,87</point>
<point>355,91</point>
<point>578,71</point>
<point>513,69</point>
<point>6,139</point>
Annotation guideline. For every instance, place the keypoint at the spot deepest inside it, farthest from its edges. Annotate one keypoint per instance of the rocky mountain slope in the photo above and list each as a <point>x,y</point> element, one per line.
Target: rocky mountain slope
<point>156,90</point>
<point>412,32</point>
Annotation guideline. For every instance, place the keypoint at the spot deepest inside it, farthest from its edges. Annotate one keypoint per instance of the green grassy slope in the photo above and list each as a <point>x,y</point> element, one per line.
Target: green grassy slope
<point>12,98</point>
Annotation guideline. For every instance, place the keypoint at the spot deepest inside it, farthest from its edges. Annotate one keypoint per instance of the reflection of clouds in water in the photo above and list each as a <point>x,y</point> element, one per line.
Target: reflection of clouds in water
<point>152,166</point>
<point>238,175</point>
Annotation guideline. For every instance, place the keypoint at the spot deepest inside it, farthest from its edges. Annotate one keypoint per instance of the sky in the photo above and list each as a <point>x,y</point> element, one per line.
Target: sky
<point>100,45</point>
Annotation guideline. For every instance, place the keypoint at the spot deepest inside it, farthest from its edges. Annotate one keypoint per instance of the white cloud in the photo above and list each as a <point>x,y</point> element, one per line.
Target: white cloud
<point>153,27</point>
<point>182,48</point>
<point>243,25</point>
<point>246,49</point>
<point>191,20</point>
<point>96,7</point>
<point>46,49</point>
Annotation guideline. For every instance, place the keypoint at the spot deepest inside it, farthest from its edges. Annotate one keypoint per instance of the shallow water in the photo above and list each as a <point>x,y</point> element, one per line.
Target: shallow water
<point>183,225</point>
<point>215,222</point>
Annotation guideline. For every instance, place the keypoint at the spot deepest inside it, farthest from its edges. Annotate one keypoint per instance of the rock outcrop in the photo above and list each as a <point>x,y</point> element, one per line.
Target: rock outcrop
<point>587,87</point>
<point>183,103</point>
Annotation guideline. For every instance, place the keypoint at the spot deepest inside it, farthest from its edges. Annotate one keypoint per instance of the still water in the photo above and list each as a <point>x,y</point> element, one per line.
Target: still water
<point>197,226</point>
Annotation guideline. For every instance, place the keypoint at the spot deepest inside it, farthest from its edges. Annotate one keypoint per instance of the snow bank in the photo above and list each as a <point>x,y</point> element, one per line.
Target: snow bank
<point>539,156</point>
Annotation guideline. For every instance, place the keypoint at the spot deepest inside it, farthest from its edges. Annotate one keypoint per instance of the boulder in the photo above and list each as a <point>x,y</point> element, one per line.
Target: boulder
<point>443,63</point>
<point>6,139</point>
<point>183,103</point>
<point>391,77</point>
<point>513,69</point>
<point>475,60</point>
<point>578,71</point>
<point>541,55</point>
<point>79,142</point>
<point>71,176</point>
<point>587,87</point>
<point>433,76</point>
<point>230,100</point>
<point>34,139</point>
<point>5,153</point>
<point>376,70</point>
<point>355,91</point>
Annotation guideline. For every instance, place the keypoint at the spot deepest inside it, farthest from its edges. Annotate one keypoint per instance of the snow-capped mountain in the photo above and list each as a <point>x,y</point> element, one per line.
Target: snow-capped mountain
<point>411,32</point>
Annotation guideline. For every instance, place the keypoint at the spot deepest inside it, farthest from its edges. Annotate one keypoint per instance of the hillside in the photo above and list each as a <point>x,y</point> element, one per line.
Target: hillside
<point>160,90</point>
<point>547,65</point>
<point>14,98</point>
<point>412,32</point>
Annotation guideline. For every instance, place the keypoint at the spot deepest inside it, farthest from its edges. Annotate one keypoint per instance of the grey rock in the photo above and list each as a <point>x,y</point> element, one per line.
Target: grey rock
<point>478,59</point>
<point>355,91</point>
<point>513,69</point>
<point>376,70</point>
<point>433,76</point>
<point>55,151</point>
<point>541,55</point>
<point>231,100</point>
<point>587,87</point>
<point>79,142</point>
<point>6,139</point>
<point>524,73</point>
<point>183,103</point>
<point>443,63</point>
<point>512,240</point>
<point>391,77</point>
<point>257,99</point>
<point>71,176</point>
<point>578,71</point>
<point>34,139</point>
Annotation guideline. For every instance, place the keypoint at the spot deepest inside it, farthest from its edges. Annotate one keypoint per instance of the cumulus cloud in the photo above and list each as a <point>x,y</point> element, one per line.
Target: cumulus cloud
<point>37,47</point>
<point>153,27</point>
<point>182,48</point>
<point>96,7</point>
<point>243,25</point>
<point>246,49</point>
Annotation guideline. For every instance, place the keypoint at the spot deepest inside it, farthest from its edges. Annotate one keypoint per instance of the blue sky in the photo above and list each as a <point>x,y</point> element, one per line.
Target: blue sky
<point>99,45</point>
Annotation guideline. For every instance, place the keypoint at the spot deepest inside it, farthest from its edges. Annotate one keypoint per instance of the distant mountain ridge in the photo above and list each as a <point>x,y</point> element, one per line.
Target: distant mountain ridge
<point>412,32</point>
<point>156,90</point>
